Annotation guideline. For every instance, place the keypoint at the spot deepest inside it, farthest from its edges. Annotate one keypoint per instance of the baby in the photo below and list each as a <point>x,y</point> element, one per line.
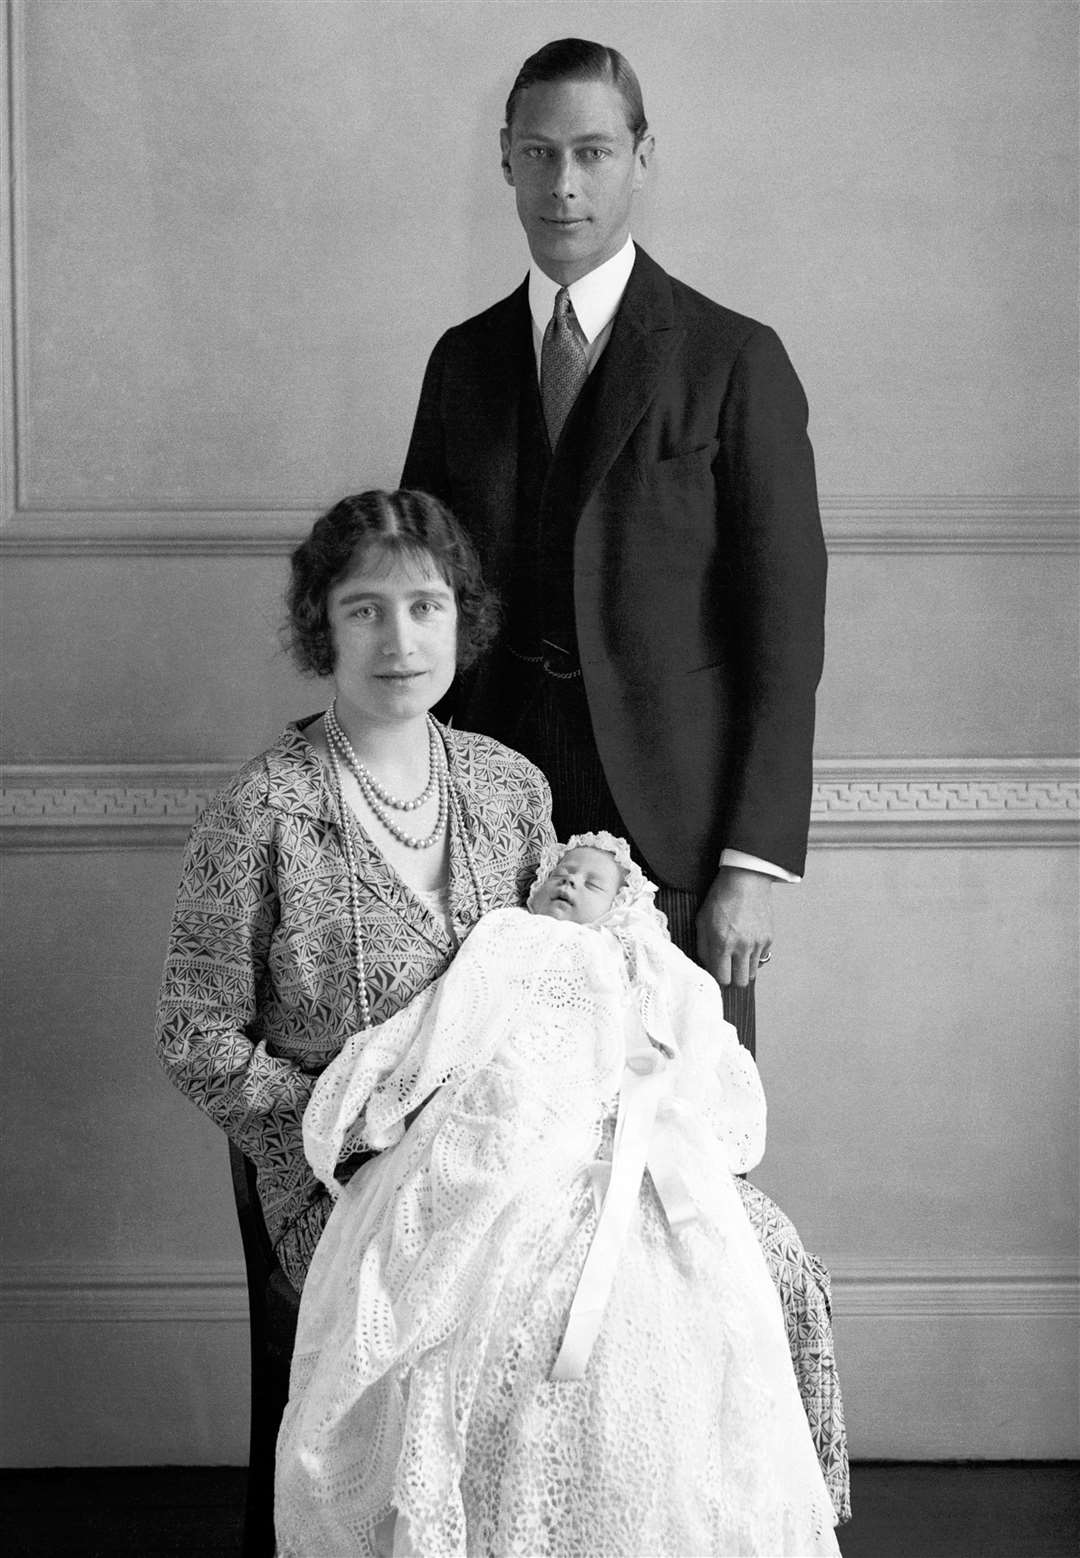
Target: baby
<point>561,997</point>
<point>547,1249</point>
<point>581,886</point>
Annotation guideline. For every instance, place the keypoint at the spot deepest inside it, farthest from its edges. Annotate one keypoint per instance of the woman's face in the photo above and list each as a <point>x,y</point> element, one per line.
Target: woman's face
<point>393,625</point>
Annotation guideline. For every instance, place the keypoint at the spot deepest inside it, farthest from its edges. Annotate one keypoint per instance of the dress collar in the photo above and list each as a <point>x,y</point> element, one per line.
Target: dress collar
<point>298,781</point>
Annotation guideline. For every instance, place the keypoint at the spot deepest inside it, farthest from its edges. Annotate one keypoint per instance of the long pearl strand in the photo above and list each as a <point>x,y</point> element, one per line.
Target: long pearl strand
<point>379,799</point>
<point>456,811</point>
<point>360,966</point>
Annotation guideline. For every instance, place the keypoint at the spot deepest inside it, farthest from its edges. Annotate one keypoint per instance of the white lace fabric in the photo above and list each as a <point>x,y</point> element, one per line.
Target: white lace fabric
<point>422,1416</point>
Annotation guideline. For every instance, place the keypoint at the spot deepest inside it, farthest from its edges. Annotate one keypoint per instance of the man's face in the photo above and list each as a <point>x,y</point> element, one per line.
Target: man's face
<point>571,160</point>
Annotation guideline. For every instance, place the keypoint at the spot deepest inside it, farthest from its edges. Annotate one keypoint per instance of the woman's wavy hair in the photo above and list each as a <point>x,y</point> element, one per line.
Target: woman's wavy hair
<point>409,525</point>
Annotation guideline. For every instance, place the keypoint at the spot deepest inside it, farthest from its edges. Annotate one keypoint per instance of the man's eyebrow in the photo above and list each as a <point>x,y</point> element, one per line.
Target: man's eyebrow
<point>590,137</point>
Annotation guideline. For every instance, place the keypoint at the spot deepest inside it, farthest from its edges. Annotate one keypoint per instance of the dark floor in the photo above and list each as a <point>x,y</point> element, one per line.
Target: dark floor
<point>903,1510</point>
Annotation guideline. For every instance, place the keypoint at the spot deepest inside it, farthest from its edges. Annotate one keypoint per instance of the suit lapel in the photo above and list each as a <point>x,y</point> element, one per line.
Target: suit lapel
<point>627,377</point>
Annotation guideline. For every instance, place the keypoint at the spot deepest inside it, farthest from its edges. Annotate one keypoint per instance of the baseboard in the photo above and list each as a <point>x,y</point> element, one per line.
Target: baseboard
<point>904,1289</point>
<point>939,1360</point>
<point>96,1292</point>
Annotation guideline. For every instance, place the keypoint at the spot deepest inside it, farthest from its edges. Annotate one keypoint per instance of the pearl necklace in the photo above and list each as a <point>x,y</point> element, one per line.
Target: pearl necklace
<point>456,812</point>
<point>378,799</point>
<point>368,779</point>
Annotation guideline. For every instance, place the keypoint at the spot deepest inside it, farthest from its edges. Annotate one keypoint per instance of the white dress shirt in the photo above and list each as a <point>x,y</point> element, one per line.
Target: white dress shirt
<point>596,298</point>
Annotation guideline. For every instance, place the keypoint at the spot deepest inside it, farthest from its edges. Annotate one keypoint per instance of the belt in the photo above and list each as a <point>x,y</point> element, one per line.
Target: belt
<point>548,664</point>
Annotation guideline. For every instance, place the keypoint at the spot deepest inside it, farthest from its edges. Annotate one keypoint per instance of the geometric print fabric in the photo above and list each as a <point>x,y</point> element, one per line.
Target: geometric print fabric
<point>258,992</point>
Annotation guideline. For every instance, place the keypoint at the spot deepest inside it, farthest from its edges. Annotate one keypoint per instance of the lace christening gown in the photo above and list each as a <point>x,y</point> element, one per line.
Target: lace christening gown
<point>423,1419</point>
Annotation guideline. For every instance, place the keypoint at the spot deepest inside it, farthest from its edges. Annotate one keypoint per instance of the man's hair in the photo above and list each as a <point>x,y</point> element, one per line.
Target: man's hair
<point>410,525</point>
<point>576,59</point>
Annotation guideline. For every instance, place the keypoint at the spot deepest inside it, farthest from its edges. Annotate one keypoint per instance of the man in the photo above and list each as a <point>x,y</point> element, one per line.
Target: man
<point>633,464</point>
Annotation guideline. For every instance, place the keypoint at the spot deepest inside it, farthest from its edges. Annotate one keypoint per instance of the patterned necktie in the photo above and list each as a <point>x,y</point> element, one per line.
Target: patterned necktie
<point>564,366</point>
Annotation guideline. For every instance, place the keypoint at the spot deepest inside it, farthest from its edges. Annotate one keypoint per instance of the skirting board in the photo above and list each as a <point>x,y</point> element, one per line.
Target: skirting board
<point>66,1292</point>
<point>858,802</point>
<point>129,1365</point>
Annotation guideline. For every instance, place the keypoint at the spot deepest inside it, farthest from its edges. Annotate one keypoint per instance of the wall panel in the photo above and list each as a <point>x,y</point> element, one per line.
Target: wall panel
<point>957,654</point>
<point>241,225</point>
<point>233,229</point>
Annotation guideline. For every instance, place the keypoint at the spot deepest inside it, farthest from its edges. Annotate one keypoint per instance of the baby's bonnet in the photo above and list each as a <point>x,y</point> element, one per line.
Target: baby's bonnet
<point>656,967</point>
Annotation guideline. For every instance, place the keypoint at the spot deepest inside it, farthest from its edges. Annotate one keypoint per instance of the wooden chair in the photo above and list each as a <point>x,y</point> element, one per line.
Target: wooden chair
<point>273,1305</point>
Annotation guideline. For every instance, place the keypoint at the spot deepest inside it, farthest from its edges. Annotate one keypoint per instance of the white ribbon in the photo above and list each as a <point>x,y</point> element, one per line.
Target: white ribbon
<point>638,1145</point>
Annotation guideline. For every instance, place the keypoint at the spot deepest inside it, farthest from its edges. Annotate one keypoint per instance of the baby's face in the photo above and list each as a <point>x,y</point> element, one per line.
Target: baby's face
<point>581,888</point>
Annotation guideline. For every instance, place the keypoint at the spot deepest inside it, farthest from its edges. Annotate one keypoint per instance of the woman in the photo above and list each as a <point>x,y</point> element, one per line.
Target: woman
<point>334,878</point>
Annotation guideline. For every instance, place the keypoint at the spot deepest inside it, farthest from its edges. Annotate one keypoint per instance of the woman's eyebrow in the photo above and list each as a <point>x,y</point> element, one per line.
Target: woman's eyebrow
<point>355,595</point>
<point>352,596</point>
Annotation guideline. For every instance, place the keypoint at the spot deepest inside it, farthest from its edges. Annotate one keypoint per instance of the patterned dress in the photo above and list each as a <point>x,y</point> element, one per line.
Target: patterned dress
<point>259,989</point>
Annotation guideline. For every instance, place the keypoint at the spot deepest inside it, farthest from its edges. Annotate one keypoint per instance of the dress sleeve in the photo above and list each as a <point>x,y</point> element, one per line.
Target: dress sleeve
<point>537,828</point>
<point>216,973</point>
<point>336,1125</point>
<point>366,1098</point>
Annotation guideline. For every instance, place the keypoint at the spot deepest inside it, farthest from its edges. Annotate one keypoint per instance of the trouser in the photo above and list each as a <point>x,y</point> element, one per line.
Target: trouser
<point>553,729</point>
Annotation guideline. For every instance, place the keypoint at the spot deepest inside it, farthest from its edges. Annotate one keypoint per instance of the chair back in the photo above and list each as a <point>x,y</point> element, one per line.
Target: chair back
<point>259,1257</point>
<point>273,1306</point>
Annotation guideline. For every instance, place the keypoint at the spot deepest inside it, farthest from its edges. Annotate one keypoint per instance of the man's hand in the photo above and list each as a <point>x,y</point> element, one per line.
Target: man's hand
<point>735,925</point>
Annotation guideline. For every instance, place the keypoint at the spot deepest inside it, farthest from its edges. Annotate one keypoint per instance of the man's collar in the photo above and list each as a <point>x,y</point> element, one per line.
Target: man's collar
<point>595,297</point>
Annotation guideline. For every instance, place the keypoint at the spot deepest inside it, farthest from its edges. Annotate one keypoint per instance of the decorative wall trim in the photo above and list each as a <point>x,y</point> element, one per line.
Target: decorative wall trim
<point>104,806</point>
<point>885,524</point>
<point>910,1289</point>
<point>891,524</point>
<point>96,1293</point>
<point>945,801</point>
<point>858,802</point>
<point>241,531</point>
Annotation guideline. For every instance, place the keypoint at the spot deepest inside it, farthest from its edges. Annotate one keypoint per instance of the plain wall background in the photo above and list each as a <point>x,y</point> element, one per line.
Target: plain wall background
<point>236,229</point>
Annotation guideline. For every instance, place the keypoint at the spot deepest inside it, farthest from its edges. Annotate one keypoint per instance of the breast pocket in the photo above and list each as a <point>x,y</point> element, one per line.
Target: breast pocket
<point>689,467</point>
<point>689,452</point>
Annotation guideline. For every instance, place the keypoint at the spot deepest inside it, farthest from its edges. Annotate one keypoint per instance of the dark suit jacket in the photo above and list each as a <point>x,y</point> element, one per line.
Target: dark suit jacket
<point>699,564</point>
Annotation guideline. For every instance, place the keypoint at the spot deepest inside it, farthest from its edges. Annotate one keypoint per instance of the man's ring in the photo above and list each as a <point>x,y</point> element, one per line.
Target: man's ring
<point>764,958</point>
